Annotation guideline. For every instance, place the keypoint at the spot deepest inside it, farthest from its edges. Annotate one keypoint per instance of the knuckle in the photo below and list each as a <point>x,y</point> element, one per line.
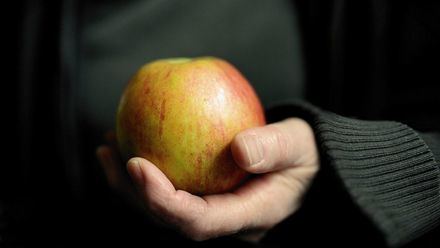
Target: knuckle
<point>281,143</point>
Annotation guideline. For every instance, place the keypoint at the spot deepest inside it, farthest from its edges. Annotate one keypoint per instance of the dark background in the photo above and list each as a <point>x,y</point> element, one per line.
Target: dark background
<point>71,59</point>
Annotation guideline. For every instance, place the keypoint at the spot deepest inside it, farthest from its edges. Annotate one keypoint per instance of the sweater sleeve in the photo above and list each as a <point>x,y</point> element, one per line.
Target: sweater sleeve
<point>388,170</point>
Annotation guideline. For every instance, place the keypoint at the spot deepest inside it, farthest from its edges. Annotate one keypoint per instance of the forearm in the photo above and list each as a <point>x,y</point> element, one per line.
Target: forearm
<point>386,168</point>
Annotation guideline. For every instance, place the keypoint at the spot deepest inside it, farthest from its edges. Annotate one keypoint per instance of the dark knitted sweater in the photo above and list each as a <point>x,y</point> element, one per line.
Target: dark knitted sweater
<point>384,170</point>
<point>375,61</point>
<point>368,61</point>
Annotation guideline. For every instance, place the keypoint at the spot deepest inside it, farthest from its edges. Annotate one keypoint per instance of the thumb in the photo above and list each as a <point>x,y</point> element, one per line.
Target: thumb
<point>275,147</point>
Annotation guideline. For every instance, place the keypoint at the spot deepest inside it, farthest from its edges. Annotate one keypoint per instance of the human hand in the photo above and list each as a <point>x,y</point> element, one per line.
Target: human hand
<point>284,158</point>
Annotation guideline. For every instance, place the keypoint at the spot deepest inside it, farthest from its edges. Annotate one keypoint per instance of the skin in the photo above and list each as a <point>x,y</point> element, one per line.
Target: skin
<point>182,114</point>
<point>282,156</point>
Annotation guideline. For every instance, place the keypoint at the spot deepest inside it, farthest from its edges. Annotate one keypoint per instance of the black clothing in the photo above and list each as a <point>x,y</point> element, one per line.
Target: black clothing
<point>375,60</point>
<point>383,169</point>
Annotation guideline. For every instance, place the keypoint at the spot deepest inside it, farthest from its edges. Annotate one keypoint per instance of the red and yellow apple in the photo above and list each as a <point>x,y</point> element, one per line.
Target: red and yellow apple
<point>182,114</point>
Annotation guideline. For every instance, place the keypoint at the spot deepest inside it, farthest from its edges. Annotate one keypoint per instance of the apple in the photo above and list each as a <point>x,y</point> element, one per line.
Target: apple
<point>182,114</point>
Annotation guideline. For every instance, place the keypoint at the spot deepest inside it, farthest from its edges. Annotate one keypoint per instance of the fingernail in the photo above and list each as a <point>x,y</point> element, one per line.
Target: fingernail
<point>136,171</point>
<point>254,149</point>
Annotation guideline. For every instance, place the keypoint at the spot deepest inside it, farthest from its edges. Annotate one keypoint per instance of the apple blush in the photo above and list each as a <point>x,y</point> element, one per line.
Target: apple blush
<point>181,114</point>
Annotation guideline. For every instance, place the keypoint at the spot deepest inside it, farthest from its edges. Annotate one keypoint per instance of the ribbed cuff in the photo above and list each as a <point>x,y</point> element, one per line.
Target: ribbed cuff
<point>387,169</point>
<point>433,142</point>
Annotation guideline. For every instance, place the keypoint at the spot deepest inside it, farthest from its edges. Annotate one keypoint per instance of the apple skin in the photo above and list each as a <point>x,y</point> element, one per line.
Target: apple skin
<point>182,114</point>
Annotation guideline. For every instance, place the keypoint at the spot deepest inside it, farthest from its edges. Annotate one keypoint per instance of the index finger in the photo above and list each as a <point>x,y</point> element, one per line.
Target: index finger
<point>210,216</point>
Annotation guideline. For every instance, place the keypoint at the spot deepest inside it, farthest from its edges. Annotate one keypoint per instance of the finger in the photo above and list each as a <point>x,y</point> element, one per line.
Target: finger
<point>275,146</point>
<point>109,166</point>
<point>214,215</point>
<point>192,215</point>
<point>174,207</point>
<point>256,206</point>
<point>113,170</point>
<point>110,138</point>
